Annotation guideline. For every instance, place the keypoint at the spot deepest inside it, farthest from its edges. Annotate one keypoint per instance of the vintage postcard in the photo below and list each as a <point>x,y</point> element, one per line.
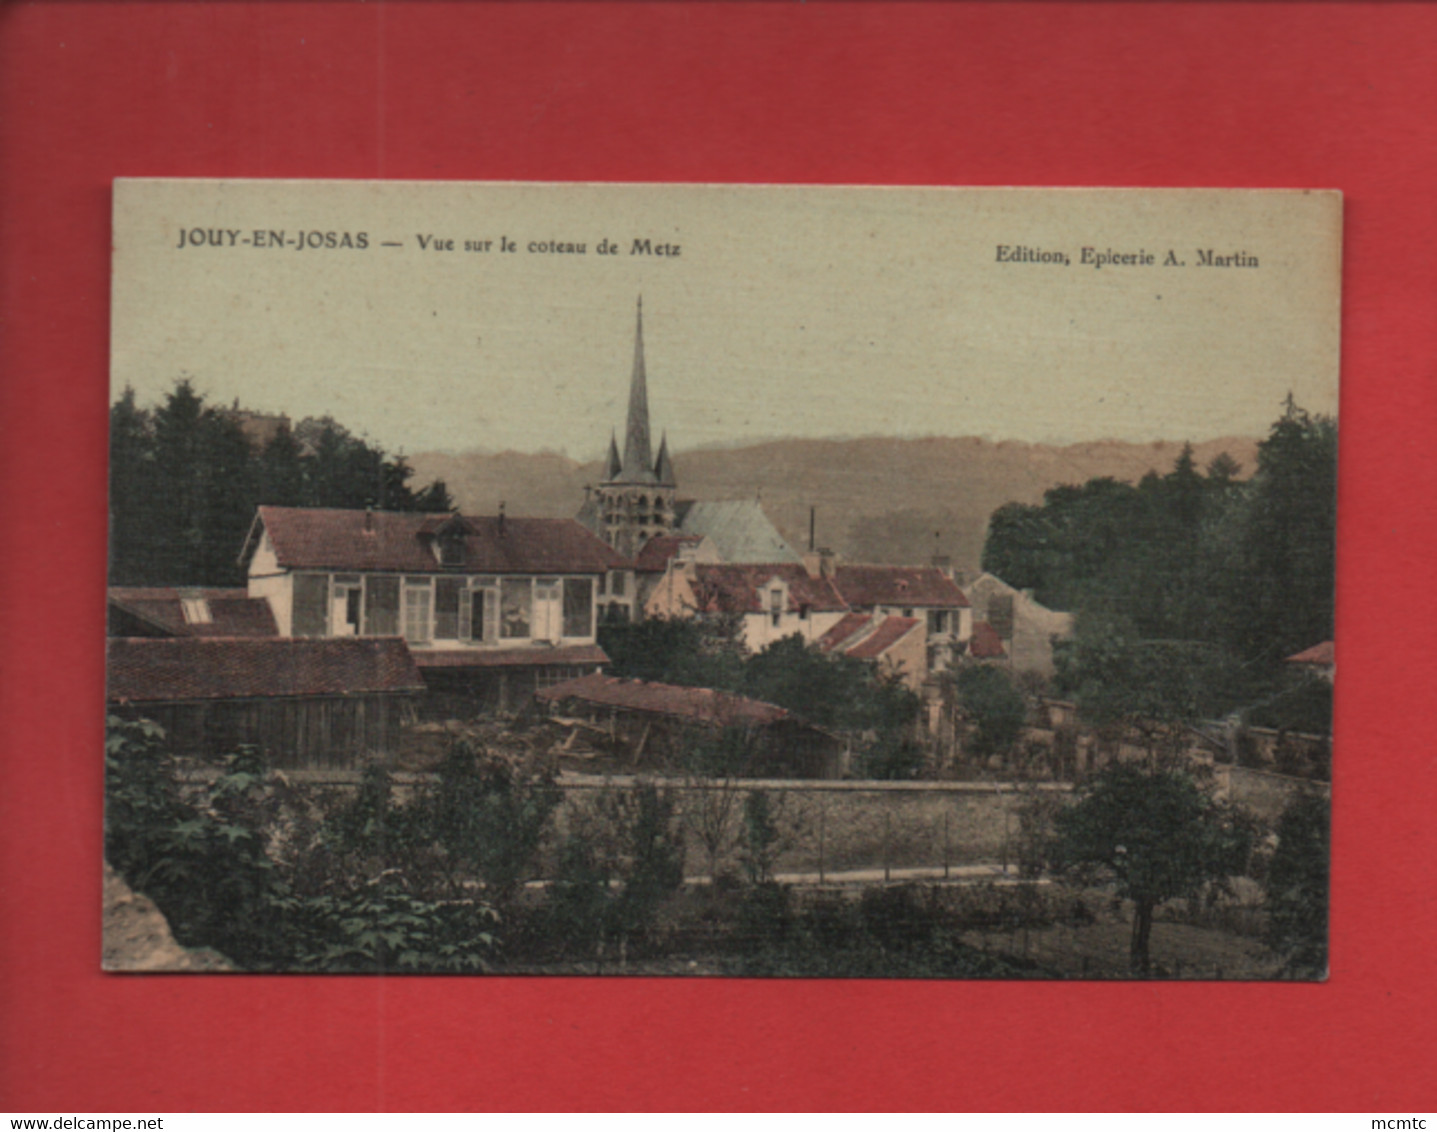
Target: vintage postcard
<point>721,580</point>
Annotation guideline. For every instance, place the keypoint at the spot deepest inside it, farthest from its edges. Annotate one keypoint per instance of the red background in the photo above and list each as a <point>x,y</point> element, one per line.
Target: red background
<point>1224,94</point>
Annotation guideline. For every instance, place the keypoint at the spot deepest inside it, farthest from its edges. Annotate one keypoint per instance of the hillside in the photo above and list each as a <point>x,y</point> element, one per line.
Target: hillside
<point>878,499</point>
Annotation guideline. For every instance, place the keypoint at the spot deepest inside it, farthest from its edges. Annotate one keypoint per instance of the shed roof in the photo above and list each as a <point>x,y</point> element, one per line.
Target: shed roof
<point>731,588</point>
<point>317,538</point>
<point>706,706</point>
<point>160,609</point>
<point>177,669</point>
<point>888,633</point>
<point>926,586</point>
<point>985,644</point>
<point>509,658</point>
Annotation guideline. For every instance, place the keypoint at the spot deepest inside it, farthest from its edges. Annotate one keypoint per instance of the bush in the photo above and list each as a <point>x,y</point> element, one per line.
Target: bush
<point>989,697</point>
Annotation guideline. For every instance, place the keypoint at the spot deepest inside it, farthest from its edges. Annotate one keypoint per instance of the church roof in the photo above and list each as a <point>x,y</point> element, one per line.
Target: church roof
<point>738,528</point>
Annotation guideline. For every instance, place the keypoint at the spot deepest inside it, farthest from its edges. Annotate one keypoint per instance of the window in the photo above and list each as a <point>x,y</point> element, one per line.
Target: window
<point>196,610</point>
<point>418,597</point>
<point>448,593</point>
<point>346,596</point>
<point>483,609</point>
<point>516,609</point>
<point>775,605</point>
<point>547,625</point>
<point>1000,614</point>
<point>578,607</point>
<point>381,606</point>
<point>617,579</point>
<point>451,548</point>
<point>937,621</point>
<point>311,592</point>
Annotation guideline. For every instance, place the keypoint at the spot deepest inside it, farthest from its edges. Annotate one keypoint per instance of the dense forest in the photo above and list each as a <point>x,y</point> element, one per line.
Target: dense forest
<point>1190,587</point>
<point>186,477</point>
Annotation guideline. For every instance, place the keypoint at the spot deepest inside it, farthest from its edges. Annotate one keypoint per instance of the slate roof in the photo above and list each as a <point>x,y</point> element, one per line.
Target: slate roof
<point>1323,654</point>
<point>889,633</point>
<point>924,586</point>
<point>400,542</point>
<point>985,644</point>
<point>695,705</point>
<point>158,611</point>
<point>740,531</point>
<point>509,658</point>
<point>179,669</point>
<point>730,588</point>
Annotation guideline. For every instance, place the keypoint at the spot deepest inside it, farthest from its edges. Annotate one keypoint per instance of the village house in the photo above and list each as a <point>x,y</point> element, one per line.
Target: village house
<point>1024,628</point>
<point>898,645</point>
<point>774,600</point>
<point>490,607</point>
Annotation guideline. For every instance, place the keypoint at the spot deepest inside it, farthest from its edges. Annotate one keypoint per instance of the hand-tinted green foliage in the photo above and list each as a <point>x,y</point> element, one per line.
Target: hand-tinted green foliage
<point>617,868</point>
<point>989,697</point>
<point>185,482</point>
<point>1191,571</point>
<point>699,652</point>
<point>238,866</point>
<point>837,692</point>
<point>759,848</point>
<point>1155,834</point>
<point>489,816</point>
<point>1297,885</point>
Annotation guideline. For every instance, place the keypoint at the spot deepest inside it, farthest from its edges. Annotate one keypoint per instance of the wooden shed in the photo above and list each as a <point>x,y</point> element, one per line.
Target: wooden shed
<point>304,703</point>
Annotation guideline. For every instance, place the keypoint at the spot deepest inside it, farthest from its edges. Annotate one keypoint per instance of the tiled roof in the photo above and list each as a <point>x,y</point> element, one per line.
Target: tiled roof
<point>889,633</point>
<point>697,705</point>
<point>660,549</point>
<point>313,538</point>
<point>233,613</point>
<point>509,658</point>
<point>898,585</point>
<point>850,625</point>
<point>740,531</point>
<point>1324,653</point>
<point>176,669</point>
<point>985,644</point>
<point>730,588</point>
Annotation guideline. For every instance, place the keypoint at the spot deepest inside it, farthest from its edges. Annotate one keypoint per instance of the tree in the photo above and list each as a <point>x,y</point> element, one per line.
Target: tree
<point>1297,885</point>
<point>698,652</point>
<point>1155,834</point>
<point>991,699</point>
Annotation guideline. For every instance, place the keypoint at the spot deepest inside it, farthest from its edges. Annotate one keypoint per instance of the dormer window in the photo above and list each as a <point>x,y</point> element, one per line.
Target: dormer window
<point>451,548</point>
<point>196,610</point>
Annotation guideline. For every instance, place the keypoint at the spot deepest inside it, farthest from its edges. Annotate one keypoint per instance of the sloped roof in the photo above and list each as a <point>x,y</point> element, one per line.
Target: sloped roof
<point>1323,654</point>
<point>660,549</point>
<point>850,625</point>
<point>706,706</point>
<point>233,613</point>
<point>740,531</point>
<point>889,632</point>
<point>321,539</point>
<point>985,644</point>
<point>177,669</point>
<point>898,585</point>
<point>731,588</point>
<point>509,658</point>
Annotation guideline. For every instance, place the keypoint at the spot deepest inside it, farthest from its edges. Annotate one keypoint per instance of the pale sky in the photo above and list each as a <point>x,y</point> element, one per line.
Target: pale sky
<point>788,312</point>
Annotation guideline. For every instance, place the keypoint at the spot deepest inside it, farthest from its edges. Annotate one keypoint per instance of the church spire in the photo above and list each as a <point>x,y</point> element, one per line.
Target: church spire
<point>638,458</point>
<point>613,466</point>
<point>664,466</point>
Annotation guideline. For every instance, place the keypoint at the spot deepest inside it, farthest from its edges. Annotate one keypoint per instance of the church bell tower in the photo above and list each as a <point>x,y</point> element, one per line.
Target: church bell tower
<point>636,496</point>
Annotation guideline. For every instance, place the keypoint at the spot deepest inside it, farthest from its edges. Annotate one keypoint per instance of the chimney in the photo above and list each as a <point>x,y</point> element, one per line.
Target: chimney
<point>944,563</point>
<point>827,562</point>
<point>369,520</point>
<point>812,524</point>
<point>501,520</point>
